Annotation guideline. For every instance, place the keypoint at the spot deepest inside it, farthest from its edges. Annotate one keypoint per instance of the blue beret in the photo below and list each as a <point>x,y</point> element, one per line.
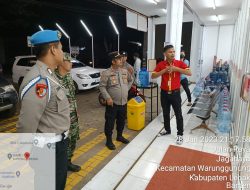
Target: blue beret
<point>45,37</point>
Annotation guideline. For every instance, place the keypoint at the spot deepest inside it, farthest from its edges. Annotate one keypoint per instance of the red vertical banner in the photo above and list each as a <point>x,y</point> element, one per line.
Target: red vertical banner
<point>249,125</point>
<point>245,88</point>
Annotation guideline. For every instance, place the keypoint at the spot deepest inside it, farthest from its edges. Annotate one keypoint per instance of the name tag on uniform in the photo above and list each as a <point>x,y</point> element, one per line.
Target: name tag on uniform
<point>169,83</point>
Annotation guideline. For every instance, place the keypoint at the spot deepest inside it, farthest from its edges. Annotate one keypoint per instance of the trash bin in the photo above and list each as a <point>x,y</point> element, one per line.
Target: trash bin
<point>136,113</point>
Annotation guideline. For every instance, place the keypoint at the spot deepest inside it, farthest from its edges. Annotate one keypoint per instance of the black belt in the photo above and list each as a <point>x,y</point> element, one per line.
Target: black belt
<point>172,91</point>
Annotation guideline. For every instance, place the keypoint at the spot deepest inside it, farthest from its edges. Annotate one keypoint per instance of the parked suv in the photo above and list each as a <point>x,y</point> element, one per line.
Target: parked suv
<point>21,66</point>
<point>8,97</point>
<point>84,77</point>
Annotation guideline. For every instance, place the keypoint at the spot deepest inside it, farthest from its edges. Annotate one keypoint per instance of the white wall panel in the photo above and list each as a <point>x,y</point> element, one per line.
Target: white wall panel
<point>225,42</point>
<point>142,23</point>
<point>131,19</point>
<point>210,39</point>
<point>217,41</point>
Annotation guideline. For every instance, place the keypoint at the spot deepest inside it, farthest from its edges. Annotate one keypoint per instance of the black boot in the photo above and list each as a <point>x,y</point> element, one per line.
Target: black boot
<point>110,144</point>
<point>122,139</point>
<point>73,167</point>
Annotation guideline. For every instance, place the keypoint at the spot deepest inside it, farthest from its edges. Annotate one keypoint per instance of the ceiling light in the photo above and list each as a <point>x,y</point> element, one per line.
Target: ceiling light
<point>154,1</point>
<point>114,26</point>
<point>136,43</point>
<point>86,28</point>
<point>116,31</point>
<point>164,10</point>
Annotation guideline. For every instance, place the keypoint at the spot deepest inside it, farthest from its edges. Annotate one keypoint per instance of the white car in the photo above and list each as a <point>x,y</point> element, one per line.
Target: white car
<point>84,77</point>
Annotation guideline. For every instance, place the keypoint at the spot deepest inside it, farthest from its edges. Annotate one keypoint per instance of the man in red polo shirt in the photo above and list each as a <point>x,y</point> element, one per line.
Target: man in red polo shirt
<point>171,71</point>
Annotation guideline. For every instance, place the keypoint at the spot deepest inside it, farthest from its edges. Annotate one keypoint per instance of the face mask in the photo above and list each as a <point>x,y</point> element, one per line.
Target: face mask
<point>182,56</point>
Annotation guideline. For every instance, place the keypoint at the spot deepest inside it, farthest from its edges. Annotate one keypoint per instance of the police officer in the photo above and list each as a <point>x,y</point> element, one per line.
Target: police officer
<point>63,75</point>
<point>114,85</point>
<point>44,105</point>
<point>125,64</point>
<point>170,70</point>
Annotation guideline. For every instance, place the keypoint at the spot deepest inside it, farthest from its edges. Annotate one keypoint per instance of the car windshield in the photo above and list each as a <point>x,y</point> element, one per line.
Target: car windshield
<point>77,64</point>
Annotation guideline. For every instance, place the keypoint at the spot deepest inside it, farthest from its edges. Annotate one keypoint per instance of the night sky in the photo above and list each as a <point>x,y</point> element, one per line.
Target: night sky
<point>20,18</point>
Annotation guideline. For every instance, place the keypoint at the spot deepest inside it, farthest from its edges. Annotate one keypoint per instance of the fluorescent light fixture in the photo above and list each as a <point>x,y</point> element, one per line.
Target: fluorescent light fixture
<point>113,24</point>
<point>154,1</point>
<point>136,43</point>
<point>164,10</point>
<point>217,18</point>
<point>86,28</point>
<point>40,27</point>
<point>60,28</point>
<point>214,6</point>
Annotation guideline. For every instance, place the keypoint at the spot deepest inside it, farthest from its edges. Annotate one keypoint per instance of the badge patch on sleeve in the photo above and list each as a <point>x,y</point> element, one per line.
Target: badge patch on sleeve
<point>41,90</point>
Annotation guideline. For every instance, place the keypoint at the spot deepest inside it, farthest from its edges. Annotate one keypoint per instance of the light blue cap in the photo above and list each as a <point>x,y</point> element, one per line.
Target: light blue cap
<point>45,37</point>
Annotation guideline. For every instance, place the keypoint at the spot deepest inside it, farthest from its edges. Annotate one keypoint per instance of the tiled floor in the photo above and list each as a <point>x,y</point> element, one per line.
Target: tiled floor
<point>139,161</point>
<point>136,183</point>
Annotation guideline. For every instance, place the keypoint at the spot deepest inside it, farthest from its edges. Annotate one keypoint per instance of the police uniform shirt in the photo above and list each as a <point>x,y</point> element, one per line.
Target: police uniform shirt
<point>115,84</point>
<point>45,107</point>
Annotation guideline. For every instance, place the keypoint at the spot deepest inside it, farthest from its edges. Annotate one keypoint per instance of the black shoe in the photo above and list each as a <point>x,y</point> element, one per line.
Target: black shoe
<point>122,139</point>
<point>164,133</point>
<point>110,145</point>
<point>73,167</point>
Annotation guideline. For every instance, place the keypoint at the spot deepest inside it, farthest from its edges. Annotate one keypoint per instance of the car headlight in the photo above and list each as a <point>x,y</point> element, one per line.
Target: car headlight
<point>83,76</point>
<point>8,88</point>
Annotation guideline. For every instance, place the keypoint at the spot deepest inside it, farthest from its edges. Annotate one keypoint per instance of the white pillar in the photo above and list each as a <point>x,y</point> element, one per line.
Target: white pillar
<point>174,24</point>
<point>150,38</point>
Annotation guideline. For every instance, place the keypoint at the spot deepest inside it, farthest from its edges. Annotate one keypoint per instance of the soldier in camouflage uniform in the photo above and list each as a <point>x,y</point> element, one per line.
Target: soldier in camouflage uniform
<point>63,75</point>
<point>125,64</point>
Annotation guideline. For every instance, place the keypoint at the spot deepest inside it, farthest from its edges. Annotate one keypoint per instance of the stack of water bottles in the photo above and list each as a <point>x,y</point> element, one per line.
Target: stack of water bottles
<point>214,76</point>
<point>223,75</point>
<point>143,79</point>
<point>219,75</point>
<point>198,88</point>
<point>224,114</point>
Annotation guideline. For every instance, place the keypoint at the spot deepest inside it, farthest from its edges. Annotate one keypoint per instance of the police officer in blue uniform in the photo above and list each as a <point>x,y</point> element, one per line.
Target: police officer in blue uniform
<point>44,105</point>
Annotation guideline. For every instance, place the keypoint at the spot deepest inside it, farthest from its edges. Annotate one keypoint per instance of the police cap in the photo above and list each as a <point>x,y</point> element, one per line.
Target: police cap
<point>45,37</point>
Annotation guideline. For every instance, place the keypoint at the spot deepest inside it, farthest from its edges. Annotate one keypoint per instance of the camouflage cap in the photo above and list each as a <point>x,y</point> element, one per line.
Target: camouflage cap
<point>114,55</point>
<point>124,53</point>
<point>67,57</point>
